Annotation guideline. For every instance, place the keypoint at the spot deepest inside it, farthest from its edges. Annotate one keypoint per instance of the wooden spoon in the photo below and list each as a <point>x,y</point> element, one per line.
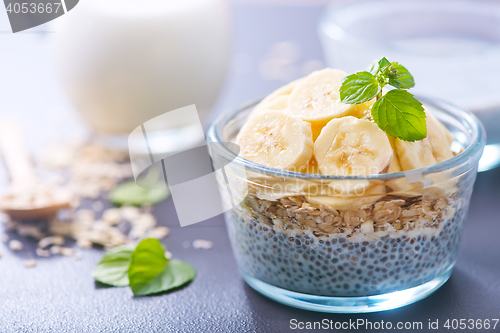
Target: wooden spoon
<point>26,198</point>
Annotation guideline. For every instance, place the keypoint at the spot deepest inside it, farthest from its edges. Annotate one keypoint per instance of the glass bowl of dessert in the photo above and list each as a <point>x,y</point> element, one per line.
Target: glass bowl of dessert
<point>331,213</point>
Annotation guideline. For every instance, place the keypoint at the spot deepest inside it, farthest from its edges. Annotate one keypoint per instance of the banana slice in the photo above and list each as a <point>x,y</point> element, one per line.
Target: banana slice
<point>312,166</point>
<point>400,187</point>
<point>282,91</point>
<point>272,188</point>
<point>366,196</point>
<point>395,166</point>
<point>279,103</point>
<point>277,100</point>
<point>316,131</point>
<point>356,187</point>
<point>277,140</point>
<point>442,183</point>
<point>363,110</point>
<point>351,146</point>
<point>449,136</point>
<point>349,187</point>
<point>317,98</point>
<point>343,203</point>
<point>433,149</point>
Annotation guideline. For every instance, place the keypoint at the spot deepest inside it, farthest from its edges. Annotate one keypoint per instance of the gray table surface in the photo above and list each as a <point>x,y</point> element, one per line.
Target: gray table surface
<point>59,295</point>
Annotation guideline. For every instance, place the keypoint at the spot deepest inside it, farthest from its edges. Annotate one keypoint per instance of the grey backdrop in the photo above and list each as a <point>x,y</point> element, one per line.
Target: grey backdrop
<point>60,296</point>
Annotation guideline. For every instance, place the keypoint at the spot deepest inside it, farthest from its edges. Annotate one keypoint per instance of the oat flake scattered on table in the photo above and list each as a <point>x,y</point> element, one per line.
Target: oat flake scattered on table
<point>203,244</point>
<point>87,170</point>
<point>30,263</point>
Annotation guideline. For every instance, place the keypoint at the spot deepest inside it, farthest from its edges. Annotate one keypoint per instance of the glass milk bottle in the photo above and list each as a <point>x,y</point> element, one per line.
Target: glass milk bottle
<point>123,62</point>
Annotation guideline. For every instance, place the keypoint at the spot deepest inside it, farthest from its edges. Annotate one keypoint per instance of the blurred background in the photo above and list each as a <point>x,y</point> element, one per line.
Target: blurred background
<point>77,86</point>
<point>103,69</point>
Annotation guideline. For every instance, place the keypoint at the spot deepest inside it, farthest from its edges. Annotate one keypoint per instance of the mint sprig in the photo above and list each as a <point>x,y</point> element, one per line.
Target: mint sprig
<point>148,260</point>
<point>397,112</point>
<point>128,193</point>
<point>113,267</point>
<point>175,274</point>
<point>359,88</point>
<point>400,77</point>
<point>143,267</point>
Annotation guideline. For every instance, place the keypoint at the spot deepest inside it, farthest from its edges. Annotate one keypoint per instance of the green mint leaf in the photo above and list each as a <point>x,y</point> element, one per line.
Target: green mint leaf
<point>148,260</point>
<point>383,64</point>
<point>399,114</point>
<point>175,274</point>
<point>377,66</point>
<point>113,267</point>
<point>359,88</point>
<point>128,193</point>
<point>402,78</point>
<point>146,277</point>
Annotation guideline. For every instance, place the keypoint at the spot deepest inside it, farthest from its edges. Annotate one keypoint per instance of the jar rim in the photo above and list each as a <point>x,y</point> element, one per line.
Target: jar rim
<point>468,158</point>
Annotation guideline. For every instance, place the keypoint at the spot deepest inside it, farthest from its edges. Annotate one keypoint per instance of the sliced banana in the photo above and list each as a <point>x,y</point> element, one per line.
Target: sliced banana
<point>279,103</point>
<point>356,187</point>
<point>272,188</point>
<point>433,149</point>
<point>370,195</point>
<point>438,132</point>
<point>400,187</point>
<point>312,166</point>
<point>283,91</point>
<point>291,188</point>
<point>277,140</point>
<point>277,100</point>
<point>281,189</point>
<point>363,110</point>
<point>351,146</point>
<point>449,135</point>
<point>316,130</point>
<point>442,183</point>
<point>395,166</point>
<point>344,187</point>
<point>316,99</point>
<point>343,203</point>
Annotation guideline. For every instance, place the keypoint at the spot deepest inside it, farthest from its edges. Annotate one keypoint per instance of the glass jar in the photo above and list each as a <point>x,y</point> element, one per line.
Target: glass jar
<point>348,244</point>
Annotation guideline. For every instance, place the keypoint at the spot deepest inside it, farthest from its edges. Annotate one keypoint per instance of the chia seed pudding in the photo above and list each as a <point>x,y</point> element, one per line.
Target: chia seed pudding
<point>392,244</point>
<point>326,202</point>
